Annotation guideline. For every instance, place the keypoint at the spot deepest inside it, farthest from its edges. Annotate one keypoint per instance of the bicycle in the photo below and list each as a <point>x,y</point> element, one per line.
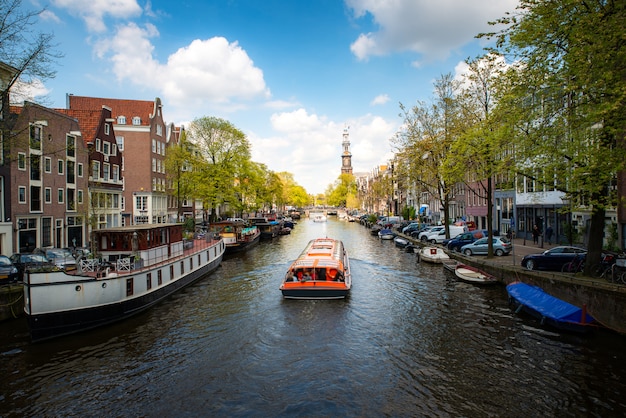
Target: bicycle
<point>604,269</point>
<point>574,266</point>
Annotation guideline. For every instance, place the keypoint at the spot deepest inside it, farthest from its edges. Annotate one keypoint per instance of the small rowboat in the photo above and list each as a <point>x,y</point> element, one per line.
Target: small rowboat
<point>433,255</point>
<point>473,275</point>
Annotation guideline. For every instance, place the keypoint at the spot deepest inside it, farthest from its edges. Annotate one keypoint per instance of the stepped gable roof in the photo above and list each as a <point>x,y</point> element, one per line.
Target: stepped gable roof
<point>119,107</point>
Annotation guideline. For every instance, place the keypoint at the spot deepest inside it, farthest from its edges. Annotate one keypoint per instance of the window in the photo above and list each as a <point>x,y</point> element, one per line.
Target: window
<point>106,148</point>
<point>159,277</point>
<point>35,167</point>
<point>120,142</point>
<point>98,145</point>
<point>136,120</point>
<point>47,164</point>
<point>21,161</point>
<point>154,165</point>
<point>121,120</point>
<point>46,231</point>
<point>35,137</point>
<point>21,192</point>
<point>129,287</point>
<point>154,146</point>
<point>149,281</point>
<point>47,195</point>
<point>107,129</point>
<point>60,167</point>
<point>106,171</point>
<point>79,169</point>
<point>95,170</point>
<point>159,130</point>
<point>35,199</point>
<point>116,173</point>
<point>70,172</point>
<point>60,195</point>
<point>71,146</point>
<point>71,199</point>
<point>79,197</point>
<point>114,149</point>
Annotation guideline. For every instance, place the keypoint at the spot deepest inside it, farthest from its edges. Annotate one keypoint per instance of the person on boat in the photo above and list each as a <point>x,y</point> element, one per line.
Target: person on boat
<point>294,277</point>
<point>307,276</point>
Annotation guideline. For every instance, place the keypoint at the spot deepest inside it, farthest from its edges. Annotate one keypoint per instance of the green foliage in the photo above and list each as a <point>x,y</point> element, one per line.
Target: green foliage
<point>409,212</point>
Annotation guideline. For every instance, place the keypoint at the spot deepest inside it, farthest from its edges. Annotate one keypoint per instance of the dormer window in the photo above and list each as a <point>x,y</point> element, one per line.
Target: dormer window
<point>121,120</point>
<point>136,120</point>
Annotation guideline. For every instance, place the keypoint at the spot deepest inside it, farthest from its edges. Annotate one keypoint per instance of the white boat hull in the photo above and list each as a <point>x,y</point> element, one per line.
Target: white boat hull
<point>57,303</point>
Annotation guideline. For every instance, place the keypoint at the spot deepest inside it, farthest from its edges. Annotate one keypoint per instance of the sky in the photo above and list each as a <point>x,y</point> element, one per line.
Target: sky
<point>290,74</point>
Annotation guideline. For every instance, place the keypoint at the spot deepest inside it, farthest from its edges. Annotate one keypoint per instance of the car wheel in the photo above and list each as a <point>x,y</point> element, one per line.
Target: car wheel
<point>499,252</point>
<point>530,265</point>
<point>434,241</point>
<point>424,239</point>
<point>467,252</point>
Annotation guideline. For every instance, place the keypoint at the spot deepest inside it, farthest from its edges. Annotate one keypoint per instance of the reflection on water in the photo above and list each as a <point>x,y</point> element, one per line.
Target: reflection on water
<point>410,341</point>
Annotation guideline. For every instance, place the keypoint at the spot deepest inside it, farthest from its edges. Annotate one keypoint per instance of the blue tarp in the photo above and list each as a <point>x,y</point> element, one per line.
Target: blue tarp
<point>546,305</point>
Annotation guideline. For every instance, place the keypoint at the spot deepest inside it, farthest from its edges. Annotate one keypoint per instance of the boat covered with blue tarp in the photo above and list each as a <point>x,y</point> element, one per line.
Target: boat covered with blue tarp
<point>548,309</point>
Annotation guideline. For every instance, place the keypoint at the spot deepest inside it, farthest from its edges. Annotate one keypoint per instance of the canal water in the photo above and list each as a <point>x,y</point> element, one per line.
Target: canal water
<point>409,341</point>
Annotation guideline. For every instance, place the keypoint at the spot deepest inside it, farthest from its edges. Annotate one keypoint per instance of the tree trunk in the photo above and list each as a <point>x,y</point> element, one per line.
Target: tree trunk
<point>596,239</point>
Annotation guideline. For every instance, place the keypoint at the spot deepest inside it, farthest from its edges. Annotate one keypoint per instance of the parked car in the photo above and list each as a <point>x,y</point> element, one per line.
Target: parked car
<point>424,235</point>
<point>420,229</point>
<point>26,261</point>
<point>440,237</point>
<point>501,246</point>
<point>413,226</point>
<point>8,271</point>
<point>62,258</point>
<point>552,259</point>
<point>455,244</point>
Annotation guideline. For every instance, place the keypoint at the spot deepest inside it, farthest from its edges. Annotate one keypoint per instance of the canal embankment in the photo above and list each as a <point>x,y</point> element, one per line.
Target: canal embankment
<point>605,301</point>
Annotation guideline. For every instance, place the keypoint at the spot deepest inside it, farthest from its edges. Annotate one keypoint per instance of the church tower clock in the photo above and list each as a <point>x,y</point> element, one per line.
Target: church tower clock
<point>346,157</point>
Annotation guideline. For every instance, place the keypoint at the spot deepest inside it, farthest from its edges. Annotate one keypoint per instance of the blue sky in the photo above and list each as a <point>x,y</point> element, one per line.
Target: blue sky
<point>290,74</point>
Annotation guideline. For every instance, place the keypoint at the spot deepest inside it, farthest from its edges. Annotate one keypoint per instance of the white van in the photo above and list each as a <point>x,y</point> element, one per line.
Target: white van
<point>437,237</point>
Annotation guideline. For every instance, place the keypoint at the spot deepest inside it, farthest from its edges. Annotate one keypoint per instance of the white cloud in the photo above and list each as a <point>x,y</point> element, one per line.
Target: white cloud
<point>429,28</point>
<point>93,12</point>
<point>30,91</point>
<point>210,71</point>
<point>381,99</point>
<point>310,146</point>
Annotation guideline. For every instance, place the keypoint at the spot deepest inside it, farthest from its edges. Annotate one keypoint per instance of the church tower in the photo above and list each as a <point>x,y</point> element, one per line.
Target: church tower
<point>346,157</point>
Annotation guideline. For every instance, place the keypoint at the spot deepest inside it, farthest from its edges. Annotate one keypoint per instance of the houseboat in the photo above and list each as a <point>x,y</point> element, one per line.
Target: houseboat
<point>136,268</point>
<point>322,271</point>
<point>269,228</point>
<point>237,234</point>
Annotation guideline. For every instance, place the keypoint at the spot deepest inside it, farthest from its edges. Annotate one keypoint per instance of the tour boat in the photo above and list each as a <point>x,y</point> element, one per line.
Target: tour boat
<point>237,234</point>
<point>322,271</point>
<point>138,266</point>
<point>432,255</point>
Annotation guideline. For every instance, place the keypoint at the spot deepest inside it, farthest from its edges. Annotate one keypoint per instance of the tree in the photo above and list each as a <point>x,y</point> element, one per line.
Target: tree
<point>225,155</point>
<point>478,153</point>
<point>425,142</point>
<point>567,98</point>
<point>342,190</point>
<point>179,165</point>
<point>30,54</point>
<point>26,59</point>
